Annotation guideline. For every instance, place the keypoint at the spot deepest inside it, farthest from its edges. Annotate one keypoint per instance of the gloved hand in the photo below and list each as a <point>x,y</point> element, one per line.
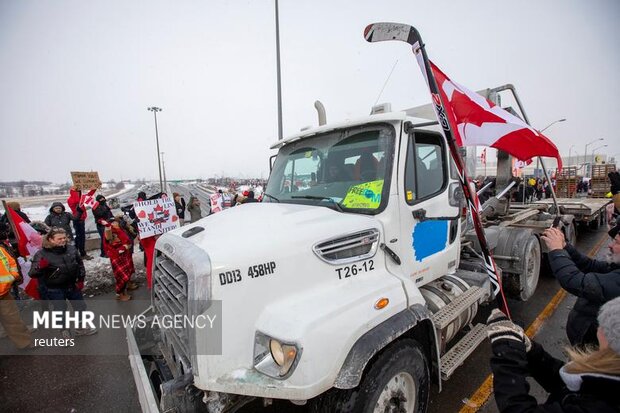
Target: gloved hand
<point>43,263</point>
<point>79,285</point>
<point>614,178</point>
<point>499,327</point>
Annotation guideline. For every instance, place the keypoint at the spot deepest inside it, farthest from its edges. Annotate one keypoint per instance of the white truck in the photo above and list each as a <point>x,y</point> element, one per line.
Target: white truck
<point>350,288</point>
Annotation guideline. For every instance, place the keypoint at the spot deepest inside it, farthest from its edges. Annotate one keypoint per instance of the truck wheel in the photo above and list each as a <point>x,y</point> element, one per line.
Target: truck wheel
<point>397,381</point>
<point>571,234</point>
<point>531,268</point>
<point>595,223</point>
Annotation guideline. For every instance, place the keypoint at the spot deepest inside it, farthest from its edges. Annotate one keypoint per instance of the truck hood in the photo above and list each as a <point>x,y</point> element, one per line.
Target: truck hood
<point>262,232</point>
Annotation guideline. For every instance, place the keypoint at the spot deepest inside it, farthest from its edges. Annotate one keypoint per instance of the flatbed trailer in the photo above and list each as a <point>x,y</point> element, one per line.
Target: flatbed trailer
<point>587,211</point>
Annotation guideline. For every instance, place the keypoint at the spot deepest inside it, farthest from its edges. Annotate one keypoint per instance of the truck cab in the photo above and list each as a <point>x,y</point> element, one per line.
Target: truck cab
<point>344,281</point>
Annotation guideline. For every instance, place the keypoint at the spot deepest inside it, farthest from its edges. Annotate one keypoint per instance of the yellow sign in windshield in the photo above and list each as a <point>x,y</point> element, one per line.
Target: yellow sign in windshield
<point>366,195</point>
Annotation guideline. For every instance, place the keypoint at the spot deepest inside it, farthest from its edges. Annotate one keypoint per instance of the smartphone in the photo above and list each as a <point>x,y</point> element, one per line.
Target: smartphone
<point>556,222</point>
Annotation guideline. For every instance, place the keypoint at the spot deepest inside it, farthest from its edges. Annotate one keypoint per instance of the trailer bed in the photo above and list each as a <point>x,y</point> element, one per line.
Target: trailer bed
<point>584,209</point>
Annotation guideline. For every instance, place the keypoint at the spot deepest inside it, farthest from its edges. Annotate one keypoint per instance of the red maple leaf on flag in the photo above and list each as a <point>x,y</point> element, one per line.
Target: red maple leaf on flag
<point>478,121</point>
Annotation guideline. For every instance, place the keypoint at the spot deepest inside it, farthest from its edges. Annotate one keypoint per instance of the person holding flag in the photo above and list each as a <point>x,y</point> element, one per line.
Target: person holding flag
<point>26,241</point>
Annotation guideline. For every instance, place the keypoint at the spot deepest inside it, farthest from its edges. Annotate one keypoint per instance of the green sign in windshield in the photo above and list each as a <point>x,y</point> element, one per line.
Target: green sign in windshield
<point>366,195</point>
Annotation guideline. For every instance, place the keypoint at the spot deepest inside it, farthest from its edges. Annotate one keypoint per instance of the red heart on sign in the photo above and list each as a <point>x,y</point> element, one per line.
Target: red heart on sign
<point>142,214</point>
<point>174,218</point>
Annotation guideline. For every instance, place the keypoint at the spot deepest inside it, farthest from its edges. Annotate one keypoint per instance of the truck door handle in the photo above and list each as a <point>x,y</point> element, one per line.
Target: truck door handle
<point>420,215</point>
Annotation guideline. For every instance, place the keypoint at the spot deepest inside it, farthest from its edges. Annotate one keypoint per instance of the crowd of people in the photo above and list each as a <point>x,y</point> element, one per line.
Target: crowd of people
<point>587,382</point>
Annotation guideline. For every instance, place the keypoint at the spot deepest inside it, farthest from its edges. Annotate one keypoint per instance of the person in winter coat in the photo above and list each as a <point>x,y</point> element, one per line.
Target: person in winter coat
<point>593,282</point>
<point>589,382</point>
<point>102,214</point>
<point>179,204</point>
<point>250,198</point>
<point>59,218</point>
<point>10,319</point>
<point>118,247</point>
<point>193,207</point>
<point>60,271</point>
<point>78,209</point>
<point>5,225</point>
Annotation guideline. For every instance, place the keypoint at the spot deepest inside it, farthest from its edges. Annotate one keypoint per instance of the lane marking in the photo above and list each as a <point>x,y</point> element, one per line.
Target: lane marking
<point>482,394</point>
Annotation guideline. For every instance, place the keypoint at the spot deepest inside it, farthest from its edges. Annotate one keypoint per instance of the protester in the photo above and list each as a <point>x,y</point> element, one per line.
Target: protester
<point>60,271</point>
<point>589,382</point>
<point>193,207</point>
<point>76,202</point>
<point>179,204</point>
<point>614,178</point>
<point>593,282</point>
<point>12,323</point>
<point>102,214</point>
<point>118,248</point>
<point>4,221</point>
<point>58,217</point>
<point>250,198</point>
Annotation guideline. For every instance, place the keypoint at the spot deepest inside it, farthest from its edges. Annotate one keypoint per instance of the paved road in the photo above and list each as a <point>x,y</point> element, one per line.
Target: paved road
<point>102,384</point>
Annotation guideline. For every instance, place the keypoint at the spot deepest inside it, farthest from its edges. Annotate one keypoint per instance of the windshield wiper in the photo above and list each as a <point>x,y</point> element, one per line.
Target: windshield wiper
<point>271,196</point>
<point>321,198</point>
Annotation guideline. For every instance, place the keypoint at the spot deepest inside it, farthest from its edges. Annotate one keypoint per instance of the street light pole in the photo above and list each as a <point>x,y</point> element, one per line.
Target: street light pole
<point>596,149</point>
<point>155,109</point>
<point>544,129</point>
<point>585,155</point>
<point>163,167</point>
<point>570,150</point>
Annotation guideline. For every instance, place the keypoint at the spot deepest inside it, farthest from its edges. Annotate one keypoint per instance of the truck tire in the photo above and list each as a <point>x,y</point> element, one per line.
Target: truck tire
<point>531,268</point>
<point>397,381</point>
<point>571,234</point>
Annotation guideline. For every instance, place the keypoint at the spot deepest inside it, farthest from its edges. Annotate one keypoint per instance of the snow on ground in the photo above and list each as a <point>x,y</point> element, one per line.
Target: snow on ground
<point>100,278</point>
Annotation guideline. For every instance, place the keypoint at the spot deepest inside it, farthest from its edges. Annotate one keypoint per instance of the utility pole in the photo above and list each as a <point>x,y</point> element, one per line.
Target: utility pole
<point>155,109</point>
<point>278,73</point>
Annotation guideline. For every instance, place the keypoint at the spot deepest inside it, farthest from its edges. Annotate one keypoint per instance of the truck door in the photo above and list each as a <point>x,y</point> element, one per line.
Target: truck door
<point>428,244</point>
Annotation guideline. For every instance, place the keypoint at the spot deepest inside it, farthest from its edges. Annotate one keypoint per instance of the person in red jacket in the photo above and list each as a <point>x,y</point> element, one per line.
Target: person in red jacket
<point>117,246</point>
<point>76,203</point>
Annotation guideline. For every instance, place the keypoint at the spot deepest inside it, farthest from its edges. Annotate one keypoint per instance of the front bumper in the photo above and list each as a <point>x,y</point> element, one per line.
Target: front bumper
<point>146,392</point>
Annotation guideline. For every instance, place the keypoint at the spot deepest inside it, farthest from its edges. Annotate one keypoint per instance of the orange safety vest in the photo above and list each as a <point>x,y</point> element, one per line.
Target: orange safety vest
<point>8,271</point>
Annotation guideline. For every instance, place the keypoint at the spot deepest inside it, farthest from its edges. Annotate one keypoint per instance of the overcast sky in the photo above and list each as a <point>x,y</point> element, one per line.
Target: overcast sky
<point>76,77</point>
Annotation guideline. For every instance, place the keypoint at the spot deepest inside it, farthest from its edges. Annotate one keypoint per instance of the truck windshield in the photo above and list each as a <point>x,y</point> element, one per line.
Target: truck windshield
<point>346,170</point>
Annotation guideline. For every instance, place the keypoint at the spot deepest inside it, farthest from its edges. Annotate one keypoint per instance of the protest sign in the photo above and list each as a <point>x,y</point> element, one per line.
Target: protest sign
<point>157,216</point>
<point>216,202</point>
<point>85,180</point>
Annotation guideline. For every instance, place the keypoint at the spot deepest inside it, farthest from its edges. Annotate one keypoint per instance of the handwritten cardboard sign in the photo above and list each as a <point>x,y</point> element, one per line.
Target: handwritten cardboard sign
<point>157,216</point>
<point>85,180</point>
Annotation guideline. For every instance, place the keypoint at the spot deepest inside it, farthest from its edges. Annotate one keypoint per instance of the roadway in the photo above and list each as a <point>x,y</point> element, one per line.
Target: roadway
<point>31,383</point>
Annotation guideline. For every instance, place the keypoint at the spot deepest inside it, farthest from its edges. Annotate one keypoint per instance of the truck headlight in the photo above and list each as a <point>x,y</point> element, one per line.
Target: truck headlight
<point>274,357</point>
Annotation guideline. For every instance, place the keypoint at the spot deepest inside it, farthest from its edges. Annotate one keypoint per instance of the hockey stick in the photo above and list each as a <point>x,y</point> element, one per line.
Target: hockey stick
<point>379,32</point>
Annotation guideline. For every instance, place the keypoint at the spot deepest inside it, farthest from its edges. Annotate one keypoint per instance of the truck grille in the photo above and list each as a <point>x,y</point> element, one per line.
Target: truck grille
<point>349,248</point>
<point>170,299</point>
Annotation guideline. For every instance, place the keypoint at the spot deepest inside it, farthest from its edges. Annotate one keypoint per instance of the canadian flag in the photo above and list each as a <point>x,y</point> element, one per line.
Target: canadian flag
<point>483,156</point>
<point>480,122</point>
<point>29,241</point>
